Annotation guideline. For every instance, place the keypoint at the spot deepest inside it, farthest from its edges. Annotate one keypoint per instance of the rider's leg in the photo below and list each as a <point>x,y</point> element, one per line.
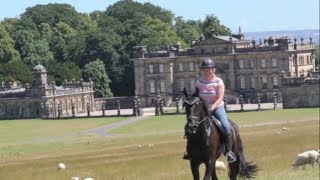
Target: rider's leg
<point>221,115</point>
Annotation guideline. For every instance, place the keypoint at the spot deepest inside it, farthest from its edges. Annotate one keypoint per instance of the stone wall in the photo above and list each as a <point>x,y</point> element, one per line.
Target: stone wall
<point>300,92</point>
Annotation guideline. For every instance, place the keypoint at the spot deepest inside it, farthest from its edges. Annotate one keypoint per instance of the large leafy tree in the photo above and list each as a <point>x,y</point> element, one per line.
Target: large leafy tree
<point>54,14</point>
<point>188,30</point>
<point>7,51</point>
<point>15,70</point>
<point>96,71</point>
<point>211,23</point>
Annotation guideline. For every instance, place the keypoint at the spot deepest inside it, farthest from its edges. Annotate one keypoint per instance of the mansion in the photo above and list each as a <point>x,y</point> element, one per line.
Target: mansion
<point>246,67</point>
<point>44,100</point>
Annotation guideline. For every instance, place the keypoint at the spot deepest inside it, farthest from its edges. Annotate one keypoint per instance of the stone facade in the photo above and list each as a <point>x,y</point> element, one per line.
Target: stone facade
<point>43,100</point>
<point>299,92</point>
<point>247,67</point>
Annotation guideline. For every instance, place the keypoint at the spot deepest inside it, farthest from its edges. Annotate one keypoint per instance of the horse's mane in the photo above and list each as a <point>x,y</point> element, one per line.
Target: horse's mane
<point>205,107</point>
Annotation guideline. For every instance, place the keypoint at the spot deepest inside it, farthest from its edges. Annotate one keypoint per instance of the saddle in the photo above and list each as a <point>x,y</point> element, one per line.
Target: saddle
<point>219,125</point>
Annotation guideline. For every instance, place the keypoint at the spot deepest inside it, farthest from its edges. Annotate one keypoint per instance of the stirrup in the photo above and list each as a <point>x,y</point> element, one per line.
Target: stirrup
<point>230,157</point>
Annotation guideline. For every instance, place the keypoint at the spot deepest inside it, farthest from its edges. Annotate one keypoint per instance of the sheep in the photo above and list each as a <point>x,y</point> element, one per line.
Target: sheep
<point>308,157</point>
<point>88,178</point>
<point>61,166</point>
<point>221,166</point>
<point>75,178</point>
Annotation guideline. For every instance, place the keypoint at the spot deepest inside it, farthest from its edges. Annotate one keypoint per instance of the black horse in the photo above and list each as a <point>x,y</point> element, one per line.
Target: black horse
<point>204,141</point>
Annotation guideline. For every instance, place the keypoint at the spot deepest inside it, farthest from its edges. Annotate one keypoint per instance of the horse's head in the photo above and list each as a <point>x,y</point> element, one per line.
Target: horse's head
<point>196,110</point>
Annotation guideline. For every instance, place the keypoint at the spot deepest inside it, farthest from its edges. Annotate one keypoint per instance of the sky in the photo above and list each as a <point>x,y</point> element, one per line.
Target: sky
<point>250,15</point>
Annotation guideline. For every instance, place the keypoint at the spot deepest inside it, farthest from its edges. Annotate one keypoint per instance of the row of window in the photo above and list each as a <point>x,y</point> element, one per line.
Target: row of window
<point>253,83</point>
<point>152,68</point>
<point>162,87</point>
<point>263,63</point>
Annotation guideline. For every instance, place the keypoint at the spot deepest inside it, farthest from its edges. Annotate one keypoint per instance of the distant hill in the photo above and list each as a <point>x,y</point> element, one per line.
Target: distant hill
<point>305,34</point>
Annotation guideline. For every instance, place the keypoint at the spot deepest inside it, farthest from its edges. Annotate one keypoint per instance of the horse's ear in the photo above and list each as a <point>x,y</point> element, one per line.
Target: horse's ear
<point>185,92</point>
<point>196,93</point>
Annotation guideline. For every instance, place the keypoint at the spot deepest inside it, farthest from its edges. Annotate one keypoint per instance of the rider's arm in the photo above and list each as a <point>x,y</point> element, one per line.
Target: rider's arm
<point>220,96</point>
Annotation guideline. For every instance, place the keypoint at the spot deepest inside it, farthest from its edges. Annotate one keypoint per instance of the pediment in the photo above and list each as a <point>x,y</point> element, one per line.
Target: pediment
<point>217,40</point>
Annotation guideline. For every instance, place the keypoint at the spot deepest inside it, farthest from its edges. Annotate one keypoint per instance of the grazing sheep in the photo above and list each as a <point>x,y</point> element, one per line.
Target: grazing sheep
<point>61,166</point>
<point>75,178</point>
<point>285,129</point>
<point>308,157</point>
<point>88,178</point>
<point>220,165</point>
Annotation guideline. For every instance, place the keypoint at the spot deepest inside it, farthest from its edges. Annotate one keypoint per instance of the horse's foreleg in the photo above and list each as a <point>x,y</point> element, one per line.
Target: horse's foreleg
<point>210,170</point>
<point>195,169</point>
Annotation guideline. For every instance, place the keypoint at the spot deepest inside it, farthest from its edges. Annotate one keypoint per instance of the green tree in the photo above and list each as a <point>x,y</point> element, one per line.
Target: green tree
<point>212,22</point>
<point>188,31</point>
<point>96,71</point>
<point>16,70</point>
<point>7,51</point>
<point>64,71</point>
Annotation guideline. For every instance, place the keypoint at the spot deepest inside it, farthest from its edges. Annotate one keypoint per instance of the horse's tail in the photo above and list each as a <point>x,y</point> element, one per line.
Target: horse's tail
<point>247,170</point>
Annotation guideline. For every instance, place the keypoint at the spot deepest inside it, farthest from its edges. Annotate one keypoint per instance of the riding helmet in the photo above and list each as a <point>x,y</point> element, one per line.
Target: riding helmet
<point>207,63</point>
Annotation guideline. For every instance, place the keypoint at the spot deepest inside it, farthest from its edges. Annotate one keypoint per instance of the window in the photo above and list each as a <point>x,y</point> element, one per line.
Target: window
<point>308,60</point>
<point>160,68</point>
<point>162,86</point>
<point>253,83</point>
<point>191,67</point>
<point>181,84</point>
<point>151,68</point>
<point>180,67</point>
<point>275,81</point>
<point>241,64</point>
<point>274,62</point>
<point>263,63</point>
<point>301,60</point>
<point>192,85</point>
<point>152,86</point>
<point>264,82</point>
<point>242,83</point>
<point>251,63</point>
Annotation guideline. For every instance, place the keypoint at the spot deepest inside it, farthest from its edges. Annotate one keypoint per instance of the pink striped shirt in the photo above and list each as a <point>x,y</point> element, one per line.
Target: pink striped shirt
<point>209,90</point>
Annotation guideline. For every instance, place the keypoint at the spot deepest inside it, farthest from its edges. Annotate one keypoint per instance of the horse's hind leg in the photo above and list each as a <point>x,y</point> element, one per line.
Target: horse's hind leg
<point>195,169</point>
<point>234,170</point>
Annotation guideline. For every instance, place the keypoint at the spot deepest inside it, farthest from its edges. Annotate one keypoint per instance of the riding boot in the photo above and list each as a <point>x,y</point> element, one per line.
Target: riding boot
<point>229,154</point>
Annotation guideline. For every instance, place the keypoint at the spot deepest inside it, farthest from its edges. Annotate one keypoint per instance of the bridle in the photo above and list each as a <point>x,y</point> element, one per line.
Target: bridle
<point>193,121</point>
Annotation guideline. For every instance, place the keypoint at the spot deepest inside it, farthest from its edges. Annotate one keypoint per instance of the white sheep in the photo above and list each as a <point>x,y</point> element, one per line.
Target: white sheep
<point>88,178</point>
<point>61,166</point>
<point>75,178</point>
<point>220,165</point>
<point>308,157</point>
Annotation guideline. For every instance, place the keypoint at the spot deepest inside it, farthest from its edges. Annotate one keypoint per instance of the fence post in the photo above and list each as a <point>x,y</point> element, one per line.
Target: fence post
<point>241,102</point>
<point>135,107</point>
<point>88,110</point>
<point>59,111</point>
<point>225,103</point>
<point>118,104</point>
<point>157,107</point>
<point>177,106</point>
<point>73,109</point>
<point>139,107</point>
<point>161,106</point>
<point>274,101</point>
<point>103,109</point>
<point>259,100</point>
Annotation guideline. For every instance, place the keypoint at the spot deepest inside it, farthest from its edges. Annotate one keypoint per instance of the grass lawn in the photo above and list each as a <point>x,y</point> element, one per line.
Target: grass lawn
<point>127,155</point>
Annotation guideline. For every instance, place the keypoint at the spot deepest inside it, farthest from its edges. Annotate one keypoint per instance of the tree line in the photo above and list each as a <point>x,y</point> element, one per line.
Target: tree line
<point>74,46</point>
